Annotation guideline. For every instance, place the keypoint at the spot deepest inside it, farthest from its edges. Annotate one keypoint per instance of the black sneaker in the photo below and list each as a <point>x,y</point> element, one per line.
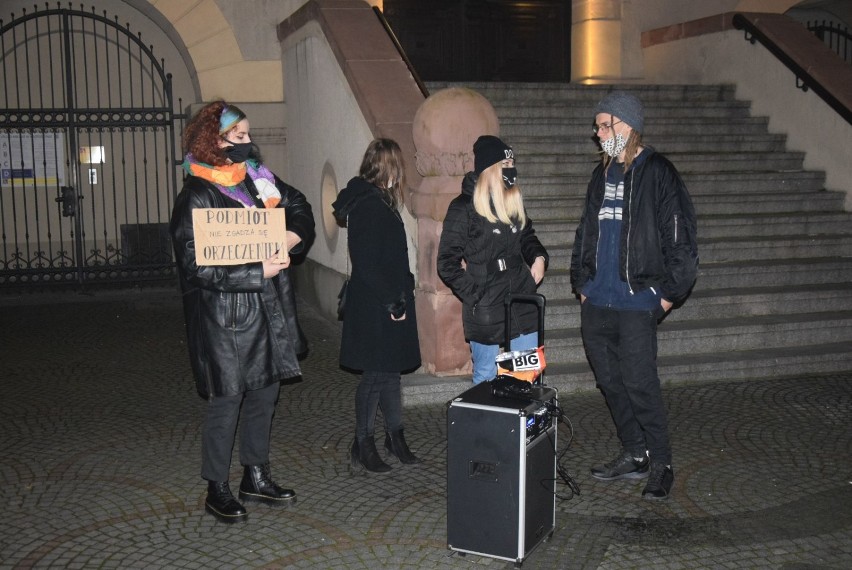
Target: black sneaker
<point>625,466</point>
<point>659,483</point>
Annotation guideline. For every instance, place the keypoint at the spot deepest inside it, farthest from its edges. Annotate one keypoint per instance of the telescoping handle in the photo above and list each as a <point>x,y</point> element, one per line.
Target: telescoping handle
<point>536,298</point>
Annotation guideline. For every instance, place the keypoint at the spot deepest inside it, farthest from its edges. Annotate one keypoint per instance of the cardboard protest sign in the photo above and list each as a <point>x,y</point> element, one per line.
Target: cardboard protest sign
<point>231,236</point>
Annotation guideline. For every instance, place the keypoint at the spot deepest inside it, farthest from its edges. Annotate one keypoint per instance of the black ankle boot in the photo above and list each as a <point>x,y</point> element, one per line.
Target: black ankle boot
<point>221,503</point>
<point>396,445</point>
<point>364,452</point>
<point>257,485</point>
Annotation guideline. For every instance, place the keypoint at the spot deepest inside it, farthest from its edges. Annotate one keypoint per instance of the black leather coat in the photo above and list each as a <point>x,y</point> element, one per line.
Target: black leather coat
<point>242,330</point>
<point>470,237</point>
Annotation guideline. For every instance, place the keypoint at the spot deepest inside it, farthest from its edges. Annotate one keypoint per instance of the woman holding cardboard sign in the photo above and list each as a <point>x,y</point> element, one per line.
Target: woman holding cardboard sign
<point>242,329</point>
<point>379,325</point>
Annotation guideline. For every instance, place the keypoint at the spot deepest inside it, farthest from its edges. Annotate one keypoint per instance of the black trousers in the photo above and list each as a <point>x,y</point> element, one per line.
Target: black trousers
<point>374,389</point>
<point>253,411</point>
<point>622,349</point>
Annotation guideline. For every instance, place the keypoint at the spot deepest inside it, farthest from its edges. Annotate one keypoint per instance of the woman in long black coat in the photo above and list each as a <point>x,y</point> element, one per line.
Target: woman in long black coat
<point>379,324</point>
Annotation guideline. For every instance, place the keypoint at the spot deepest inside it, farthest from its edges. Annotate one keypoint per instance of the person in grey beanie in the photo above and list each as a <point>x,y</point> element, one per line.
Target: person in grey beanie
<point>635,257</point>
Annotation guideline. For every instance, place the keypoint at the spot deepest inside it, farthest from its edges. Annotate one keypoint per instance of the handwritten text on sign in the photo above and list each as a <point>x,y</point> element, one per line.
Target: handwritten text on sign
<point>230,236</point>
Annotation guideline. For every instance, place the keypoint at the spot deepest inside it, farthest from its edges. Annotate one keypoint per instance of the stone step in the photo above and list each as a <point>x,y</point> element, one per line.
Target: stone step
<point>534,185</point>
<point>756,181</point>
<point>749,274</point>
<point>732,334</point>
<point>706,303</point>
<point>804,223</point>
<point>799,362</point>
<point>796,361</point>
<point>557,208</point>
<point>559,257</point>
<point>556,164</point>
<point>526,147</point>
<point>719,250</point>
<point>713,205</point>
<point>722,250</point>
<point>775,272</point>
<point>724,110</point>
<point>521,91</point>
<point>556,233</point>
<point>581,128</point>
<point>560,231</point>
<point>564,313</point>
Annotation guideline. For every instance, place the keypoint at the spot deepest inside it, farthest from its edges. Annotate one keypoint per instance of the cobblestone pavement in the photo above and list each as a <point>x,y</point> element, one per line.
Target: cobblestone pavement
<point>99,463</point>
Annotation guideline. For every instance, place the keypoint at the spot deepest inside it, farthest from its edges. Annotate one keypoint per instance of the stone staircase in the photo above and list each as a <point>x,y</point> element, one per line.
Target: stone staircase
<point>774,291</point>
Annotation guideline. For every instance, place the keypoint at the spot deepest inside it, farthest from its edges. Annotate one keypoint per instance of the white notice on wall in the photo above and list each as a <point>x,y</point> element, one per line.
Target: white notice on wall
<point>32,159</point>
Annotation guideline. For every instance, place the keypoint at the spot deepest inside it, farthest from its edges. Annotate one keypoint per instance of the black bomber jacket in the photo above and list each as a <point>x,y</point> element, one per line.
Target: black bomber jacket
<point>658,237</point>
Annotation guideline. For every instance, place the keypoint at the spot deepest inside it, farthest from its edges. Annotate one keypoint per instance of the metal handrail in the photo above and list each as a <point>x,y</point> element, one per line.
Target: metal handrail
<point>805,80</point>
<point>835,34</point>
<point>422,86</point>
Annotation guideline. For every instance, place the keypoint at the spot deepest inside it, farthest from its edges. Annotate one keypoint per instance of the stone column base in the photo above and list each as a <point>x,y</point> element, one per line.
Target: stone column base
<point>442,345</point>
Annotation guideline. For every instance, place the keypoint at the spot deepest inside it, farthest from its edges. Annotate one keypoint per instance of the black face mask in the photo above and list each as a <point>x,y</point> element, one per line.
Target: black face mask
<point>510,176</point>
<point>238,152</point>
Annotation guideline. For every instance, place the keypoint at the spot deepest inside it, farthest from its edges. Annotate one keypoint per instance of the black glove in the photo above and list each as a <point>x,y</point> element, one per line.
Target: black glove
<point>397,309</point>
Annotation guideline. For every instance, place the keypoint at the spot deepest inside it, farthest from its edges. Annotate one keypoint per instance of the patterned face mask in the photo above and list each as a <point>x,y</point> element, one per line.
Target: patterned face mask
<point>615,145</point>
<point>510,176</point>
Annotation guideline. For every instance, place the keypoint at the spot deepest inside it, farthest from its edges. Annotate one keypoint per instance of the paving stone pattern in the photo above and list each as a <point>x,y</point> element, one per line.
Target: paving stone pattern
<point>99,463</point>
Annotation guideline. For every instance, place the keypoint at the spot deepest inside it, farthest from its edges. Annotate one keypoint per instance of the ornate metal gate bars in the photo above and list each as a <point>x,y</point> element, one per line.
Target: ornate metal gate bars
<point>87,152</point>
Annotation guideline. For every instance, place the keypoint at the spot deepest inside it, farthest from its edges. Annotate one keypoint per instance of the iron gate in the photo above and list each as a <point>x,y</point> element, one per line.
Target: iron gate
<point>87,152</point>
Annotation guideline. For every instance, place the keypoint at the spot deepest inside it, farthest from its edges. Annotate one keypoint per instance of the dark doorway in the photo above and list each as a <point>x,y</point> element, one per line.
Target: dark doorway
<point>485,40</point>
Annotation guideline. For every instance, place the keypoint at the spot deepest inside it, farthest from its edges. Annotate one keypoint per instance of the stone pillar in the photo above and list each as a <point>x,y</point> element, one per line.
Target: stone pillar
<point>606,41</point>
<point>444,130</point>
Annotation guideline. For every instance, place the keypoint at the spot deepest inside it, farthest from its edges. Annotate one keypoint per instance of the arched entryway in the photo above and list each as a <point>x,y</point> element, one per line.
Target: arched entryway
<point>88,147</point>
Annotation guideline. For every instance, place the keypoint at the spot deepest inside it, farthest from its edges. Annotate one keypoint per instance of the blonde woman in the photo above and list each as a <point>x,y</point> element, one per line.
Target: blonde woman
<point>488,250</point>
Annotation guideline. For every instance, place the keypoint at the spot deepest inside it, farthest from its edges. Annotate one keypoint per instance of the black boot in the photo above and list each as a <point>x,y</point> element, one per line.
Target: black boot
<point>396,445</point>
<point>364,452</point>
<point>257,485</point>
<point>221,503</point>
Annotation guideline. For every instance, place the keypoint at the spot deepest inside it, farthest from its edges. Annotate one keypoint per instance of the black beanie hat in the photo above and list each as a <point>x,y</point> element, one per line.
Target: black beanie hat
<point>488,150</point>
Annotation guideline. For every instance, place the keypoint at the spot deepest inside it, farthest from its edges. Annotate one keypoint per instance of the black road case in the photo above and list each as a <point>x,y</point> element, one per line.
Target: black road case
<point>501,472</point>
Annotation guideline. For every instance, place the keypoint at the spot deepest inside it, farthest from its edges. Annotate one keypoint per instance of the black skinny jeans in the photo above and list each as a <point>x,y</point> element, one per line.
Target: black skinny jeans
<point>374,389</point>
<point>622,349</point>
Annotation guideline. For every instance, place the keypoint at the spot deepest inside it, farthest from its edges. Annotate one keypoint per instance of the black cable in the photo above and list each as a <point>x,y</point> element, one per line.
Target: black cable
<point>568,480</point>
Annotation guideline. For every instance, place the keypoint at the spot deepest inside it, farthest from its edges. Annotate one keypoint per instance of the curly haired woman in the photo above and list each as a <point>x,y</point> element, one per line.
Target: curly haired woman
<point>242,329</point>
